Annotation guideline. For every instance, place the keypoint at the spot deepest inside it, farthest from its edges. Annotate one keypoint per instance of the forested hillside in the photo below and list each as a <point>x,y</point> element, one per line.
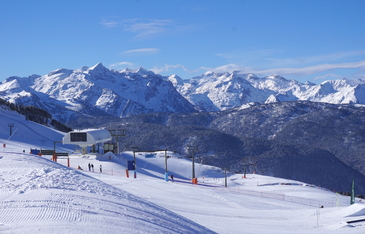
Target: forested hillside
<point>314,142</point>
<point>36,114</point>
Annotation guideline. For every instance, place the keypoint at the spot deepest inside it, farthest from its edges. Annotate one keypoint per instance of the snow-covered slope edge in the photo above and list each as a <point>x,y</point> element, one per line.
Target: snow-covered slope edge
<point>27,133</point>
<point>51,198</point>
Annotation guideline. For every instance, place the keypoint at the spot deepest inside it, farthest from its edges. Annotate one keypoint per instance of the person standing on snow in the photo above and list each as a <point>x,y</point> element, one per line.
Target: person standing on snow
<point>89,166</point>
<point>92,167</point>
<point>101,169</point>
<point>172,178</point>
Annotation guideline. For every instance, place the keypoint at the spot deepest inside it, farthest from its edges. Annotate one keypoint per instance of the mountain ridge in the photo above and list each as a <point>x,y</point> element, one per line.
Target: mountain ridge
<point>99,91</point>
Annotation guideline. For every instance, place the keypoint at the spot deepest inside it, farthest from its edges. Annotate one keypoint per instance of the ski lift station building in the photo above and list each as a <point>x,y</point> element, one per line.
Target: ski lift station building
<point>87,138</point>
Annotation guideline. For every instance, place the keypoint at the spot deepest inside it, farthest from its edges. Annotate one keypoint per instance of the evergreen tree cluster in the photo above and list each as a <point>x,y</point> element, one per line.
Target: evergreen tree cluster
<point>36,115</point>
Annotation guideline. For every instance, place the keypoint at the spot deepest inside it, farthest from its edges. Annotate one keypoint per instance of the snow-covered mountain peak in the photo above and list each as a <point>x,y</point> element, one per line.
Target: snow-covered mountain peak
<point>247,76</point>
<point>97,91</point>
<point>97,66</point>
<point>209,73</point>
<point>11,83</point>
<point>17,84</point>
<point>84,68</point>
<point>33,77</point>
<point>276,77</point>
<point>175,80</point>
<point>11,78</point>
<point>98,69</point>
<point>126,70</point>
<point>309,83</point>
<point>60,71</point>
<point>174,76</point>
<point>143,72</point>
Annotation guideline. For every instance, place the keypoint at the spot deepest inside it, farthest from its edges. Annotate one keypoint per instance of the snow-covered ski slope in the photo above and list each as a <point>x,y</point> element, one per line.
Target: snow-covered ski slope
<point>41,196</point>
<point>27,134</point>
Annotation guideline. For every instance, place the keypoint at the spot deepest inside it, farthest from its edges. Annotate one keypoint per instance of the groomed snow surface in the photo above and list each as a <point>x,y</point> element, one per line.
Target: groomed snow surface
<point>38,195</point>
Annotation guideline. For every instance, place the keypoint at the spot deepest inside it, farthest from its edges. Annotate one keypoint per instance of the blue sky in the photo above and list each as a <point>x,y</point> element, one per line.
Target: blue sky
<point>306,40</point>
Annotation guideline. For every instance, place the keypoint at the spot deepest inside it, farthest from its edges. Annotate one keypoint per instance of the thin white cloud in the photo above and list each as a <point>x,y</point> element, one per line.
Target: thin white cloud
<point>327,77</point>
<point>221,69</point>
<point>109,23</point>
<point>267,58</point>
<point>121,64</point>
<point>224,68</point>
<point>311,69</point>
<point>142,51</point>
<point>249,55</point>
<point>168,67</point>
<point>303,71</point>
<point>147,28</point>
<point>315,59</point>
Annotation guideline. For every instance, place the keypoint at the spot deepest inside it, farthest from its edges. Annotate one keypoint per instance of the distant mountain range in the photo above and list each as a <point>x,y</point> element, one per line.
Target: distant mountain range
<point>99,91</point>
<point>223,91</point>
<point>95,91</point>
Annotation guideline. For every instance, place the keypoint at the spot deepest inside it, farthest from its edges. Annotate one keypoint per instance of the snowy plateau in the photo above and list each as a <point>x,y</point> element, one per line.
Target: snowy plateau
<point>38,195</point>
<point>99,91</point>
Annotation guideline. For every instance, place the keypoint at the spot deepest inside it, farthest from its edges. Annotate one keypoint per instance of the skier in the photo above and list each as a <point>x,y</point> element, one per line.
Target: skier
<point>89,166</point>
<point>172,178</point>
<point>92,167</point>
<point>101,169</point>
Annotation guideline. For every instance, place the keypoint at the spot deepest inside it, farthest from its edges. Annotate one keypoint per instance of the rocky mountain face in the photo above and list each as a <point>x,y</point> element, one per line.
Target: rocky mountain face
<point>96,91</point>
<point>223,91</point>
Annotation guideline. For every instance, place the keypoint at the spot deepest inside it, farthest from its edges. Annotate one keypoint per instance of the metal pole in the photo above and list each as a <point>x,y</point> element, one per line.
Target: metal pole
<point>11,125</point>
<point>117,139</point>
<point>135,167</point>
<point>193,165</point>
<point>193,148</point>
<point>54,145</point>
<point>225,178</point>
<point>225,175</point>
<point>134,158</point>
<point>166,173</point>
<point>122,135</point>
<point>116,133</point>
